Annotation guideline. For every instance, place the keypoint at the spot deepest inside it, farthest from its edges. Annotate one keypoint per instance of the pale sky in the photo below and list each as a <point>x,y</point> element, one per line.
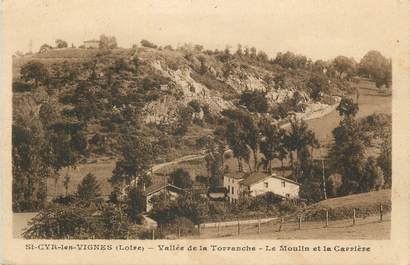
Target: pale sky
<point>315,28</point>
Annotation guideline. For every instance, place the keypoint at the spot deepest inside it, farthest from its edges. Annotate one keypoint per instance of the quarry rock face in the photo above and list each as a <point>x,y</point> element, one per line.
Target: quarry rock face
<point>165,109</point>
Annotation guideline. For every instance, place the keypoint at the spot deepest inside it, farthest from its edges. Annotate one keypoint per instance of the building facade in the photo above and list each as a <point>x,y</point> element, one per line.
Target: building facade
<point>92,44</point>
<point>258,183</point>
<point>233,186</point>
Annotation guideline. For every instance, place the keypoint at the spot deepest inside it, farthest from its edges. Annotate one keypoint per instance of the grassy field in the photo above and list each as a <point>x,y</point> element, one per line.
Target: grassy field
<point>361,200</point>
<point>102,169</point>
<point>370,101</point>
<point>365,204</point>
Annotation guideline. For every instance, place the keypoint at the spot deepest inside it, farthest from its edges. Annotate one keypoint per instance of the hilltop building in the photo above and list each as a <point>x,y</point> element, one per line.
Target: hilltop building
<point>92,44</point>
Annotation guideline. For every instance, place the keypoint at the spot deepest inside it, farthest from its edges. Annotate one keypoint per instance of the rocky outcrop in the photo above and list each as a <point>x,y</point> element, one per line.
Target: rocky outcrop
<point>183,90</point>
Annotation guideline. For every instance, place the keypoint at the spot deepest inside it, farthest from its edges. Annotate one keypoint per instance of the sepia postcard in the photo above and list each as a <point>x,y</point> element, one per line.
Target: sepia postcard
<point>205,132</point>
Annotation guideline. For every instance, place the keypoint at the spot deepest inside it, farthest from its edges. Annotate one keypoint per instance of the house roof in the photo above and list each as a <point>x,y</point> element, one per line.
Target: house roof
<point>159,186</point>
<point>285,179</point>
<point>260,176</point>
<point>254,178</point>
<point>236,175</point>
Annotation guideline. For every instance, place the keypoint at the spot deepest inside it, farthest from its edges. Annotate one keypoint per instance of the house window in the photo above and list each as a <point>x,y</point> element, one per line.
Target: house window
<point>287,195</point>
<point>229,189</point>
<point>233,191</point>
<point>283,183</point>
<point>266,184</point>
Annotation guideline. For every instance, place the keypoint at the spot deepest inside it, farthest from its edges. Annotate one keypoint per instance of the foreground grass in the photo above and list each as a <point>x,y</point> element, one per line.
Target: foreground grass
<point>365,204</point>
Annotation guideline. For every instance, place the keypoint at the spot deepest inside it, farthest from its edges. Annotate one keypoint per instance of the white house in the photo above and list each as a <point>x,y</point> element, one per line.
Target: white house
<point>233,186</point>
<point>258,183</point>
<point>94,44</point>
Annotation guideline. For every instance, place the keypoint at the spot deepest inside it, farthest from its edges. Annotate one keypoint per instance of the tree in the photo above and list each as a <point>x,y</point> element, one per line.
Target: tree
<point>320,66</point>
<point>271,144</point>
<point>347,108</point>
<point>185,119</point>
<point>45,48</point>
<point>68,142</point>
<point>61,44</point>
<point>34,71</point>
<point>77,222</point>
<point>262,56</point>
<point>135,204</point>
<point>255,101</point>
<point>89,188</point>
<point>108,42</point>
<point>318,85</point>
<point>195,209</point>
<point>334,182</point>
<point>65,183</point>
<point>136,161</point>
<point>48,114</point>
<point>290,60</point>
<point>239,51</point>
<point>214,159</point>
<point>298,139</point>
<point>204,67</point>
<point>373,178</point>
<point>344,66</point>
<point>311,179</point>
<point>181,178</point>
<point>347,154</point>
<point>377,67</point>
<point>31,164</point>
<point>148,44</point>
<point>235,138</point>
<point>57,222</point>
<point>252,52</point>
<point>242,135</point>
<point>385,161</point>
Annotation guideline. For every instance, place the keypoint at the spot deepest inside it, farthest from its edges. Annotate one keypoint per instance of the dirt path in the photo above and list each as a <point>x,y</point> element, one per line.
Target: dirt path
<point>186,158</point>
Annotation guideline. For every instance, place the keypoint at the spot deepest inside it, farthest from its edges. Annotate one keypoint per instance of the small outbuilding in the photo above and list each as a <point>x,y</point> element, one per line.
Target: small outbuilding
<point>172,192</point>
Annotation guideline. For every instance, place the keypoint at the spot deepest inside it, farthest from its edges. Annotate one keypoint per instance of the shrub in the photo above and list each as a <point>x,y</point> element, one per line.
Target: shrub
<point>181,178</point>
<point>148,44</point>
<point>288,206</point>
<point>64,200</point>
<point>57,222</point>
<point>255,101</point>
<point>135,205</point>
<point>202,179</point>
<point>195,105</point>
<point>19,86</point>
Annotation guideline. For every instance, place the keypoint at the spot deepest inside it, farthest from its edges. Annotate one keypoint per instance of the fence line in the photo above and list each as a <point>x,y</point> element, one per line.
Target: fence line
<point>277,224</point>
<point>235,222</point>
